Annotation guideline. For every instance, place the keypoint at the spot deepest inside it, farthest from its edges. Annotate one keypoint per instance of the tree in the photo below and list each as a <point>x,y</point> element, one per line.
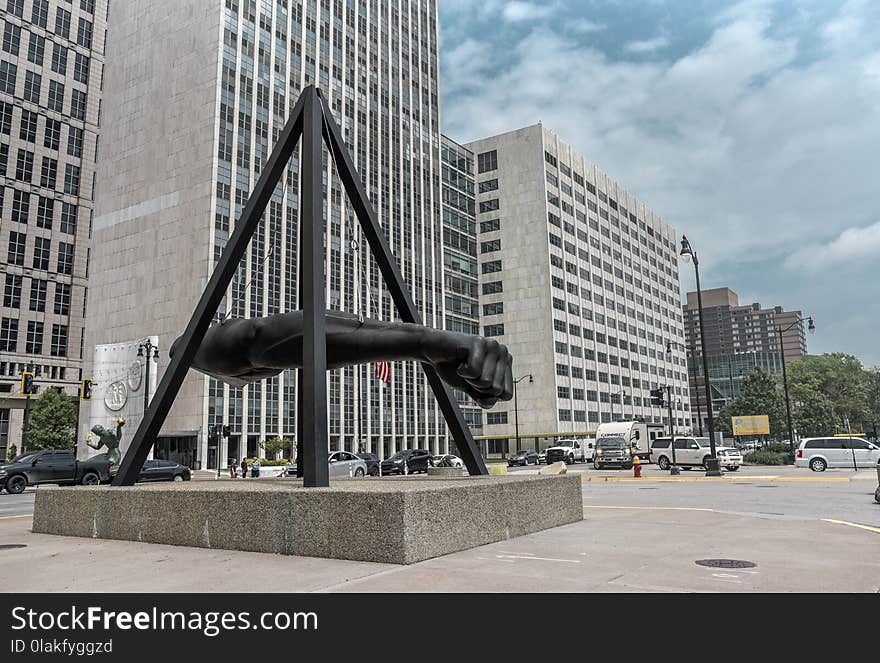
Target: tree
<point>841,379</point>
<point>12,453</point>
<point>759,395</point>
<point>52,422</point>
<point>275,445</point>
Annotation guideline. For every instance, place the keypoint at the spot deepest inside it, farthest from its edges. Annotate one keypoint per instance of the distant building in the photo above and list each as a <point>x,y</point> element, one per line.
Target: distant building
<point>738,338</point>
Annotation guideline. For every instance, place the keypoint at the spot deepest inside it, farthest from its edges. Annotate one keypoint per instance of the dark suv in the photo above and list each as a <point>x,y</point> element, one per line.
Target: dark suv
<point>408,461</point>
<point>51,466</point>
<point>372,461</point>
<point>612,451</point>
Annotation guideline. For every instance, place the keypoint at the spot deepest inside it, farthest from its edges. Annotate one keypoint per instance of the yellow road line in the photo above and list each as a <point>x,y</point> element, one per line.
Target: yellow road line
<point>650,508</point>
<point>722,479</point>
<point>11,517</point>
<point>876,530</point>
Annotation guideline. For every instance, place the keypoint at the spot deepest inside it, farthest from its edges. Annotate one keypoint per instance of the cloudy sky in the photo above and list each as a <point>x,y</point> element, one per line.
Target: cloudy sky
<point>752,127</point>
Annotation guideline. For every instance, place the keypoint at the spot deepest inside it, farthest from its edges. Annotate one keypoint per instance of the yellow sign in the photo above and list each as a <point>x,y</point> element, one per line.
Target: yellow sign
<point>758,425</point>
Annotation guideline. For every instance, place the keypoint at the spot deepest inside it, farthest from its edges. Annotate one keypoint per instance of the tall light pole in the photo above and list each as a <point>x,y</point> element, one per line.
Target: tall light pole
<point>516,405</point>
<point>687,253</point>
<point>779,330</point>
<point>152,352</point>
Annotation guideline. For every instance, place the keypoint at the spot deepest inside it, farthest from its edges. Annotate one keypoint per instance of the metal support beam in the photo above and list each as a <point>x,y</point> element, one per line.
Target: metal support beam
<point>148,431</point>
<point>314,371</point>
<point>366,215</point>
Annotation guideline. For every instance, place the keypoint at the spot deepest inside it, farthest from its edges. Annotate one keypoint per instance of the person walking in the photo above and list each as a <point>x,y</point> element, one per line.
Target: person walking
<point>255,468</point>
<point>233,467</point>
<point>244,468</point>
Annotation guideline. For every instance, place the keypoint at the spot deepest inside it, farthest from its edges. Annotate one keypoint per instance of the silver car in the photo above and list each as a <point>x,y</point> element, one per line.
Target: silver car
<point>345,464</point>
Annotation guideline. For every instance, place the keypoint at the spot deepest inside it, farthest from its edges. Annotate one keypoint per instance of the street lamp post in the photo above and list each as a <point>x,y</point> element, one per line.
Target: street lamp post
<point>152,352</point>
<point>687,253</point>
<point>779,330</point>
<point>516,405</point>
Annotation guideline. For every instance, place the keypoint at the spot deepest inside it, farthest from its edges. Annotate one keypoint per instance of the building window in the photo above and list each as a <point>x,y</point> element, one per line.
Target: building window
<point>58,346</point>
<point>15,7</point>
<point>62,23</point>
<point>489,205</point>
<point>562,370</point>
<point>84,33</point>
<point>38,295</point>
<point>28,130</point>
<point>5,121</point>
<point>8,75</point>
<point>493,287</point>
<point>41,253</point>
<point>62,298</point>
<point>75,142</point>
<point>52,136</point>
<point>71,179</point>
<point>496,418</point>
<point>49,173</point>
<point>21,206</point>
<point>78,104</point>
<point>24,166</point>
<point>11,38</point>
<point>487,161</point>
<point>33,343</point>
<point>45,212</point>
<point>488,185</point>
<point>16,248</point>
<point>493,330</point>
<point>59,59</point>
<point>564,415</point>
<point>81,69</point>
<point>65,258</point>
<point>36,49</point>
<point>12,291</point>
<point>9,335</point>
<point>491,267</point>
<point>68,218</point>
<point>493,309</point>
<point>56,96</point>
<point>40,13</point>
<point>32,84</point>
<point>490,246</point>
<point>490,226</point>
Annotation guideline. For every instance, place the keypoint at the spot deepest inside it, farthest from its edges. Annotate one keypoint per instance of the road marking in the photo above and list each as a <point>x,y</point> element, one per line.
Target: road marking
<point>731,479</point>
<point>876,530</point>
<point>650,508</point>
<point>11,517</point>
<point>538,559</point>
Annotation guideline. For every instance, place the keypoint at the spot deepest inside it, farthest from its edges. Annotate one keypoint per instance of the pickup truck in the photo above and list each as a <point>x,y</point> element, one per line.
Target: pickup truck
<point>571,451</point>
<point>51,466</point>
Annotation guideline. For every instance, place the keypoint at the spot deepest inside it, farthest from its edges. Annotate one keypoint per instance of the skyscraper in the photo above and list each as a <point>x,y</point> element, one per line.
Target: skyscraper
<point>50,79</point>
<point>196,94</point>
<point>580,280</point>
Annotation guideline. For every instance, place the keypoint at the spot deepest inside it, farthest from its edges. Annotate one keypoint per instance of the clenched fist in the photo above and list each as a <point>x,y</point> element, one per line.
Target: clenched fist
<point>481,367</point>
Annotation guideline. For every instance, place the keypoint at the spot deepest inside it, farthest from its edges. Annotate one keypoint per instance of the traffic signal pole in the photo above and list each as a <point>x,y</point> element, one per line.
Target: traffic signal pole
<point>24,428</point>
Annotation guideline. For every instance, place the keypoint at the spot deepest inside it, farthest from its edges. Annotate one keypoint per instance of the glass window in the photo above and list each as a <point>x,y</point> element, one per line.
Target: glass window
<point>34,341</point>
<point>15,256</point>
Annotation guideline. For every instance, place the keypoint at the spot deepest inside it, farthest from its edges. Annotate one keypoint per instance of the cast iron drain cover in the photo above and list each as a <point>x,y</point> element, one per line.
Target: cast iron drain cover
<point>726,563</point>
<point>766,486</point>
<point>12,546</point>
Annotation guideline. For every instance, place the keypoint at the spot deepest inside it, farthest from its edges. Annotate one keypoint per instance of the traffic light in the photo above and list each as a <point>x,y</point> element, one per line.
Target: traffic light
<point>86,391</point>
<point>27,383</point>
<point>657,396</point>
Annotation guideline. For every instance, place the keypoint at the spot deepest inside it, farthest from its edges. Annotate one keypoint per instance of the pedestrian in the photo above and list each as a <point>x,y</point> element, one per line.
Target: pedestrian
<point>244,468</point>
<point>233,467</point>
<point>255,468</point>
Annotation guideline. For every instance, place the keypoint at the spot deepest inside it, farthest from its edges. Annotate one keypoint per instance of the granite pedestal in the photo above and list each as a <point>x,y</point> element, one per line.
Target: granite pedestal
<point>400,521</point>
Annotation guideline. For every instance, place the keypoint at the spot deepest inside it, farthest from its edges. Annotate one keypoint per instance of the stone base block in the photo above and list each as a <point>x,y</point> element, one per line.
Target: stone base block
<point>399,521</point>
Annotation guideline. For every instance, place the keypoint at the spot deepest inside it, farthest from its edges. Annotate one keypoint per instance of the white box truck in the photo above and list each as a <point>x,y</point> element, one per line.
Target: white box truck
<point>638,433</point>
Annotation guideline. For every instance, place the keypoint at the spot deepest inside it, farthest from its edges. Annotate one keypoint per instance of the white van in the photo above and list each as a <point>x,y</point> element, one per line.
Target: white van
<point>639,434</point>
<point>819,453</point>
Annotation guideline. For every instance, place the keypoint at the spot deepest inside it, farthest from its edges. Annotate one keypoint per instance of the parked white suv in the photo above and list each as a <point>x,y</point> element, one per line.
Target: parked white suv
<point>693,451</point>
<point>819,453</point>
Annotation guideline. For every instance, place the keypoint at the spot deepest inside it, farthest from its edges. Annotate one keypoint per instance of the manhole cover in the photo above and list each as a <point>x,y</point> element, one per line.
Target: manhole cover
<point>726,563</point>
<point>766,486</point>
<point>12,546</point>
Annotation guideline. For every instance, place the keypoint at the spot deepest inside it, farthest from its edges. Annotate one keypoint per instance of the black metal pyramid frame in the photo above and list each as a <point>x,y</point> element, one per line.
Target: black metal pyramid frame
<point>311,120</point>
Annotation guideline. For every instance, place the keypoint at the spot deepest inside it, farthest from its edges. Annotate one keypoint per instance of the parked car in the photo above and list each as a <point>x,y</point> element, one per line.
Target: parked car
<point>693,452</point>
<point>408,461</point>
<point>51,466</point>
<point>455,460</point>
<point>164,470</point>
<point>372,461</point>
<point>542,457</point>
<point>612,450</point>
<point>523,457</point>
<point>340,464</point>
<point>819,453</point>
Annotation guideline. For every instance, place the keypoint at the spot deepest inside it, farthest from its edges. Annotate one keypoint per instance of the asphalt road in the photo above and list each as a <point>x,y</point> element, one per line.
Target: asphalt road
<point>16,505</point>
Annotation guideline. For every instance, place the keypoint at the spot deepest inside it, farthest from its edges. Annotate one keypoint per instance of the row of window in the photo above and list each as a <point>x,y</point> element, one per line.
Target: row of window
<point>21,209</point>
<point>40,17</point>
<point>16,253</point>
<point>36,53</point>
<point>12,289</point>
<point>29,130</point>
<point>33,342</point>
<point>33,89</point>
<point>24,171</point>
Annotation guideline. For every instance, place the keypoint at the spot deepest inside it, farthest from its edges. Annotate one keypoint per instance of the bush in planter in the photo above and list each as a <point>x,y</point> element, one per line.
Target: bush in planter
<point>768,458</point>
<point>446,461</point>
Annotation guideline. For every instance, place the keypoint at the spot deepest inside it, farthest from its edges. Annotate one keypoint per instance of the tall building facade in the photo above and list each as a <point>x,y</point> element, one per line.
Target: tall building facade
<point>196,94</point>
<point>461,302</point>
<point>738,338</point>
<point>580,280</point>
<point>51,65</point>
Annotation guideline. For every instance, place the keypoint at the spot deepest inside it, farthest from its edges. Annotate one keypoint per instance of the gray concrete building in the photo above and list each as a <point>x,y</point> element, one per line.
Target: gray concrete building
<point>580,280</point>
<point>51,67</point>
<point>195,95</point>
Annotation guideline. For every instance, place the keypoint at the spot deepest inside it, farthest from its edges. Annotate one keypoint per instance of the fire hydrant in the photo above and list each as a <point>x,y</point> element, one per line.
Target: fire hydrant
<point>637,467</point>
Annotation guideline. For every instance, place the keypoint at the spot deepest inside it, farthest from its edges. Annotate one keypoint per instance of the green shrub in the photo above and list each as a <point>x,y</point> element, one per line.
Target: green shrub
<point>446,461</point>
<point>777,447</point>
<point>768,458</point>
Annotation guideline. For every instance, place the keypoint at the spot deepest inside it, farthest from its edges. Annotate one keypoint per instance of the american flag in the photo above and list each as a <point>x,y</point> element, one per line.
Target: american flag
<point>383,371</point>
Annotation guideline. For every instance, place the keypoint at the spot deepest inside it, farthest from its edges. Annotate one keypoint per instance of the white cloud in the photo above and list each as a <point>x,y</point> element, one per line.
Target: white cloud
<point>517,11</point>
<point>585,26</point>
<point>850,246</point>
<point>647,45</point>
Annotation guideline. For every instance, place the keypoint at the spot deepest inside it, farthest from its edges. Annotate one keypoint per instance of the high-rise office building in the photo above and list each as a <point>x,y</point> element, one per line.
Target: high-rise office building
<point>196,93</point>
<point>580,280</point>
<point>738,338</point>
<point>51,66</point>
<point>460,256</point>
